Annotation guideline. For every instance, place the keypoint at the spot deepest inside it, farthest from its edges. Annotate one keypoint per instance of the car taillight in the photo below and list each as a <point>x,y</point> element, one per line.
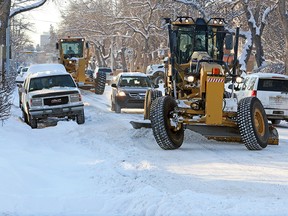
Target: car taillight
<point>254,93</point>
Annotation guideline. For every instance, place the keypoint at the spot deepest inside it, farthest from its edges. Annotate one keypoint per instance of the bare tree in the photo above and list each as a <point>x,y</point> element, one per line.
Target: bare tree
<point>6,89</point>
<point>6,13</point>
<point>283,10</point>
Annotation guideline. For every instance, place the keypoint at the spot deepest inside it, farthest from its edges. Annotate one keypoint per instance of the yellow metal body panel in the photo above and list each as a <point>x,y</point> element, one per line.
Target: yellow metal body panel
<point>81,70</point>
<point>214,100</point>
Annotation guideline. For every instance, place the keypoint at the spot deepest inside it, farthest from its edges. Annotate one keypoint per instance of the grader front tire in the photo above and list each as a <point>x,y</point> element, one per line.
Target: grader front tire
<point>253,123</point>
<point>167,136</point>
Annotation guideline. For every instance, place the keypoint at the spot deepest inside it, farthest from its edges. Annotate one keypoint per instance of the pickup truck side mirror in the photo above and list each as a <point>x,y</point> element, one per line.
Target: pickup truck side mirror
<point>114,85</point>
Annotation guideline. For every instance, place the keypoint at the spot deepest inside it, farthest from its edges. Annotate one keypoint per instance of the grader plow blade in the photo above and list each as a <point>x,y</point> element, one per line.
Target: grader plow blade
<point>229,134</point>
<point>138,125</point>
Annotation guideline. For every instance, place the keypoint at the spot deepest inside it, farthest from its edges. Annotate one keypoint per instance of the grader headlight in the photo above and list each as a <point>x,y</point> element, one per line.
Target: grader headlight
<point>190,79</point>
<point>239,79</point>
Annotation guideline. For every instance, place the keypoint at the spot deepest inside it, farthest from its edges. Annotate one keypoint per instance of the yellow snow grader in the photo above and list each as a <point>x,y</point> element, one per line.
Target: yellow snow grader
<point>195,96</point>
<point>74,55</point>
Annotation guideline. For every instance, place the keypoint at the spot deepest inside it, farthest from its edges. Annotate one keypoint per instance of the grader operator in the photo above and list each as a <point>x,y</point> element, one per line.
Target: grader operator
<point>74,54</point>
<point>195,96</point>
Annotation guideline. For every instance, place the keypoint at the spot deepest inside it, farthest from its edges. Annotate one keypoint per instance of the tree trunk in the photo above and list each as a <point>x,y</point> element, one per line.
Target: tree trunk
<point>259,51</point>
<point>282,7</point>
<point>123,59</point>
<point>4,15</point>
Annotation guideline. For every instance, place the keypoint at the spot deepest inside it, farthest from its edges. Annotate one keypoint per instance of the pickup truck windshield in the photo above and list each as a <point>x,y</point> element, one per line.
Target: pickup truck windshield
<point>48,82</point>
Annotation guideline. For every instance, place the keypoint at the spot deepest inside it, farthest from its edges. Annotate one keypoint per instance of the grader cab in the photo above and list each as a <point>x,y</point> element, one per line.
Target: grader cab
<point>195,96</point>
<point>74,54</point>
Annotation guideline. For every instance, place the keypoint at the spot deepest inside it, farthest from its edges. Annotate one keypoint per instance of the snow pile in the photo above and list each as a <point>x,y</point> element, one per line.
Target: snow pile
<point>105,167</point>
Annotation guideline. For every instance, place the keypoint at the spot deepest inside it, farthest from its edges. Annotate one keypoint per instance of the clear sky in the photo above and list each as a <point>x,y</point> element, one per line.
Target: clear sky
<point>42,18</point>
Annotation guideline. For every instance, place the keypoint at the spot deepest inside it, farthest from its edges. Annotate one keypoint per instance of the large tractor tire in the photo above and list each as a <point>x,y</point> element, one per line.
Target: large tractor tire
<point>150,96</point>
<point>100,82</point>
<point>252,123</point>
<point>167,136</point>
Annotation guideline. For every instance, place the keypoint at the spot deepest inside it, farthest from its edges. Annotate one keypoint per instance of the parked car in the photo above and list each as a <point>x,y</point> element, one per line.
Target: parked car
<point>271,89</point>
<point>108,71</point>
<point>129,90</point>
<point>50,91</point>
<point>22,75</point>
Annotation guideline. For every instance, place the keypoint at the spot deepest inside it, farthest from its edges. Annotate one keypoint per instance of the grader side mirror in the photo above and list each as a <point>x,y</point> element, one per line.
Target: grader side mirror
<point>87,45</point>
<point>57,46</point>
<point>229,42</point>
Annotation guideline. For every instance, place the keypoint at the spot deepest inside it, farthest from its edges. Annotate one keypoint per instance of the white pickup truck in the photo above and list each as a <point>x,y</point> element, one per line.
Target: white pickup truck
<point>272,91</point>
<point>49,91</point>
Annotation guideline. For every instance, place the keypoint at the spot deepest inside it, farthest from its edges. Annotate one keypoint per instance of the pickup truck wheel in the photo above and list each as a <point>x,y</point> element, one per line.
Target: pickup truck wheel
<point>80,118</point>
<point>275,121</point>
<point>159,80</point>
<point>112,106</point>
<point>100,82</point>
<point>24,116</point>
<point>33,122</point>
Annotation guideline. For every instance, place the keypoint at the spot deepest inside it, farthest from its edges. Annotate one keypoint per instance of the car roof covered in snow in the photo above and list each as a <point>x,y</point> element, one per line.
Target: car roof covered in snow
<point>46,67</point>
<point>133,74</point>
<point>41,70</point>
<point>268,75</point>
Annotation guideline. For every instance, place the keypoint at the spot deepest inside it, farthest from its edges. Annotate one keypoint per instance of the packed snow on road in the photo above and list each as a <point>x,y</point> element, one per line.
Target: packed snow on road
<point>105,167</point>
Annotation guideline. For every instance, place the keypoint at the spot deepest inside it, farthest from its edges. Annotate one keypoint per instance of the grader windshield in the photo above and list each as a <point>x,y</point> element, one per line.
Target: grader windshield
<point>197,36</point>
<point>72,48</point>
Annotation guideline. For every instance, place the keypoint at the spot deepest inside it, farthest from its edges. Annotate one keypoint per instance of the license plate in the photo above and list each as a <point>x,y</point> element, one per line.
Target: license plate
<point>278,101</point>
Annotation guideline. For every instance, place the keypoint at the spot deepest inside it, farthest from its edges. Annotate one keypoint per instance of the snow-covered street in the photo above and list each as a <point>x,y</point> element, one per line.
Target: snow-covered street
<point>105,167</point>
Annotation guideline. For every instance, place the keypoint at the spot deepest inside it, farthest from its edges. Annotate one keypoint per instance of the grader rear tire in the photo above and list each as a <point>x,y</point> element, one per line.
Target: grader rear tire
<point>100,82</point>
<point>150,96</point>
<point>167,136</point>
<point>253,123</point>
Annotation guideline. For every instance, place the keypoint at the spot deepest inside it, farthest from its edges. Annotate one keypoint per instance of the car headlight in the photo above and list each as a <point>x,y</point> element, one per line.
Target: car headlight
<point>36,102</point>
<point>75,98</point>
<point>121,94</point>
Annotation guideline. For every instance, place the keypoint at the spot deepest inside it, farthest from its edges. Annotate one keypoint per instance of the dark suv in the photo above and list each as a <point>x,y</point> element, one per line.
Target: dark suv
<point>129,91</point>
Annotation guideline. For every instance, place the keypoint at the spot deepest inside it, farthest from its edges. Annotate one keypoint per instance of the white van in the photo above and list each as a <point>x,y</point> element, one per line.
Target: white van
<point>271,89</point>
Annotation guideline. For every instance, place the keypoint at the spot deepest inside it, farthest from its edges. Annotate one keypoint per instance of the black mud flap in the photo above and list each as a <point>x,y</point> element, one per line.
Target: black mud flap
<point>138,125</point>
